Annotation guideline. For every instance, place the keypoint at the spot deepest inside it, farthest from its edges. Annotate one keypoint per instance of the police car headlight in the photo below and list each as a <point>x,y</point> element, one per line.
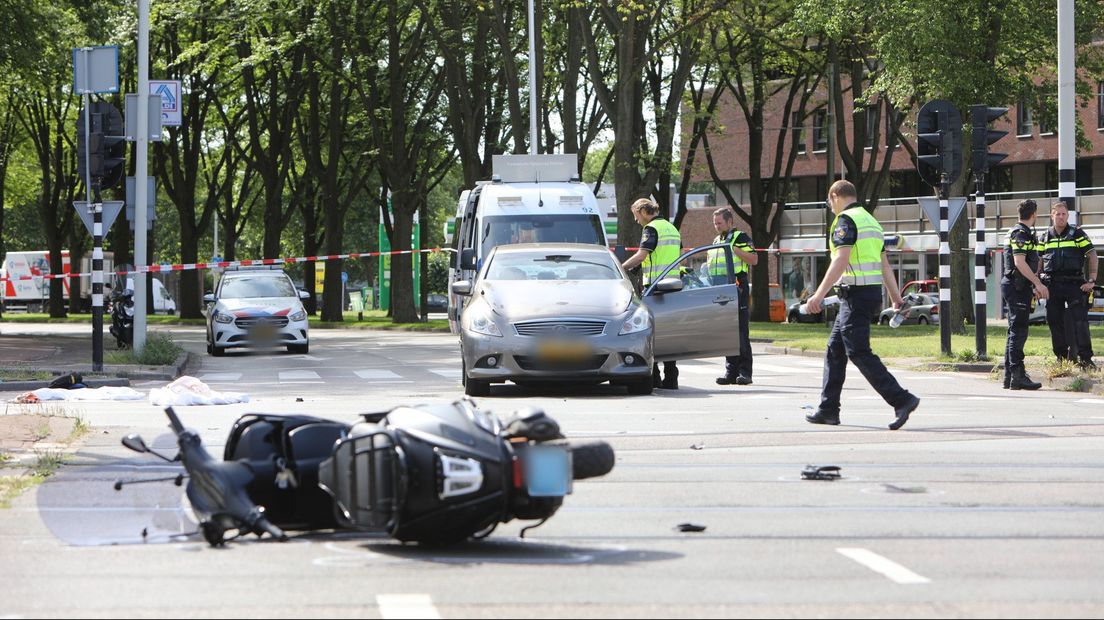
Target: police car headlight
<point>482,323</point>
<point>222,317</point>
<point>298,316</point>
<point>638,322</point>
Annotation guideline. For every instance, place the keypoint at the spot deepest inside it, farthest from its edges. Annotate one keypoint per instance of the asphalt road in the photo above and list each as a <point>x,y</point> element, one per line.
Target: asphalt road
<point>988,503</point>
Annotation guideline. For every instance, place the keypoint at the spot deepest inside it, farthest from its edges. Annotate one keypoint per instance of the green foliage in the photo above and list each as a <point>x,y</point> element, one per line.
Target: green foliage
<point>160,350</point>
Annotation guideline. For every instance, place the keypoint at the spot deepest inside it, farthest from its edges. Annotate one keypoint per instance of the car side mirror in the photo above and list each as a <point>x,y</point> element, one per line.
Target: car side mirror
<point>304,295</point>
<point>467,258</point>
<point>668,285</point>
<point>461,287</point>
<point>209,298</point>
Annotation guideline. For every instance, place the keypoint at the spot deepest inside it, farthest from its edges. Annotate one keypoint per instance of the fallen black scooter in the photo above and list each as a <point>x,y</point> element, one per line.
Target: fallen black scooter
<point>433,474</point>
<point>122,317</point>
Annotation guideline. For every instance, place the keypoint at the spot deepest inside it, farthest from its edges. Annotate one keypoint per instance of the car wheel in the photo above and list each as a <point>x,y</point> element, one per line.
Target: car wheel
<point>218,351</point>
<point>641,387</point>
<point>922,320</point>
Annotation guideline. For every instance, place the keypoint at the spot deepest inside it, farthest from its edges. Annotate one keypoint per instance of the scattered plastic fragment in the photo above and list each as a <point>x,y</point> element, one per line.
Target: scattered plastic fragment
<point>826,472</point>
<point>690,527</point>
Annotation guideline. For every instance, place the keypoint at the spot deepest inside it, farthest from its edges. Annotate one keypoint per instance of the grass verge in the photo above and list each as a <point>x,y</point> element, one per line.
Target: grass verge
<point>160,350</point>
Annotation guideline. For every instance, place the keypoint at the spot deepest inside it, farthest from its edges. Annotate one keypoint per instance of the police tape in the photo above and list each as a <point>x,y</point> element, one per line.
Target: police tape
<point>257,262</point>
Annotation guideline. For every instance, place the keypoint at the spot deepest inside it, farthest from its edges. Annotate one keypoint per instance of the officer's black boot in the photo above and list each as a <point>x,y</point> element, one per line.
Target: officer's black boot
<point>670,377</point>
<point>1007,379</point>
<point>1020,381</point>
<point>656,381</point>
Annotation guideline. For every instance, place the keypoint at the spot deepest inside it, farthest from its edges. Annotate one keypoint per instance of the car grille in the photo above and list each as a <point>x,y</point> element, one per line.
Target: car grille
<point>593,362</point>
<point>247,322</point>
<point>561,327</point>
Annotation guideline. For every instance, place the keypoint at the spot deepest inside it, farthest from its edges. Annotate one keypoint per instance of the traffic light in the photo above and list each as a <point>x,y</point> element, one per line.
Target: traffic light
<point>983,136</point>
<point>939,142</point>
<point>106,147</point>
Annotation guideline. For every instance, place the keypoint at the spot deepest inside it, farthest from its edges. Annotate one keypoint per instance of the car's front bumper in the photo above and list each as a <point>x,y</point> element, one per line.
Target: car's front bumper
<point>232,335</point>
<point>519,358</point>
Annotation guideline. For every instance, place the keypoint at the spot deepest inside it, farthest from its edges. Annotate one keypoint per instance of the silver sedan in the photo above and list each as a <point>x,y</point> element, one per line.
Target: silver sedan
<point>570,313</point>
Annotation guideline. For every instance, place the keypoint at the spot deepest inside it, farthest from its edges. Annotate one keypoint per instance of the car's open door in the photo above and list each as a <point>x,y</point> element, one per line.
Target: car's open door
<point>701,319</point>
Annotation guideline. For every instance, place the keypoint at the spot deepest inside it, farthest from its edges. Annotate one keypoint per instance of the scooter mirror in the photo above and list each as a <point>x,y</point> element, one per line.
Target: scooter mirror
<point>136,443</point>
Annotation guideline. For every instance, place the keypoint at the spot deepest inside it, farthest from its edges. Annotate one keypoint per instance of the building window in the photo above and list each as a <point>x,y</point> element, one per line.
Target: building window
<point>1100,106</point>
<point>871,125</point>
<point>1024,119</point>
<point>797,124</point>
<point>891,117</point>
<point>820,131</point>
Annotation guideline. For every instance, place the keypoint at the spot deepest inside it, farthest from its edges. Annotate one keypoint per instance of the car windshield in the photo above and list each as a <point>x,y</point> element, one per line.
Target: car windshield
<point>559,266</point>
<point>564,228</point>
<point>246,287</point>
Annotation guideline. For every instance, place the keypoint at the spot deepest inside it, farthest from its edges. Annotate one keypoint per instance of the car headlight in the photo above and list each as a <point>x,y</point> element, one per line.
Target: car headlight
<point>638,322</point>
<point>298,316</point>
<point>222,317</point>
<point>482,323</point>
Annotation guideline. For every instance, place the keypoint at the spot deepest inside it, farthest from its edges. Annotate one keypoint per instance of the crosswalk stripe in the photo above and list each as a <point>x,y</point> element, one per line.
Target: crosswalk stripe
<point>885,566</point>
<point>448,373</point>
<point>406,606</point>
<point>376,374</point>
<point>298,375</point>
<point>215,377</point>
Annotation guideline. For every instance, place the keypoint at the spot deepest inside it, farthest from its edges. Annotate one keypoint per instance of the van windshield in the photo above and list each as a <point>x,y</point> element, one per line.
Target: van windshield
<point>564,228</point>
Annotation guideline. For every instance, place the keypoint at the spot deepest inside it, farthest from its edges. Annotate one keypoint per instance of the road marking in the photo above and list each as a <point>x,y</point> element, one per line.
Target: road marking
<point>786,370</point>
<point>298,375</point>
<point>1092,401</point>
<point>889,568</point>
<point>376,375</point>
<point>997,398</point>
<point>406,606</point>
<point>448,373</point>
<point>215,377</point>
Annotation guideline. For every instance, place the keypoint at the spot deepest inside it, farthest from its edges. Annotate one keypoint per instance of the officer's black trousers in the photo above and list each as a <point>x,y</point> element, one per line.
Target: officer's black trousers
<point>740,365</point>
<point>1068,319</point>
<point>850,340</point>
<point>1017,307</point>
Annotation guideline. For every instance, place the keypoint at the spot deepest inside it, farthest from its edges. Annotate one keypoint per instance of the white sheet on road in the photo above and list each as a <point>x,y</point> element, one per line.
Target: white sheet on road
<point>191,391</point>
<point>100,393</point>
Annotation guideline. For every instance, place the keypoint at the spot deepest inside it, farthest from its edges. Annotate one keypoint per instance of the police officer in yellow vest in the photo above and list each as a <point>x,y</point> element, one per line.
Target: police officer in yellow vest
<point>737,367</point>
<point>860,268</point>
<point>1065,249</point>
<point>660,247</point>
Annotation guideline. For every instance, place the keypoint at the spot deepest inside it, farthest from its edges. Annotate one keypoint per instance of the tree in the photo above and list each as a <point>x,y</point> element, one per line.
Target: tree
<point>759,68</point>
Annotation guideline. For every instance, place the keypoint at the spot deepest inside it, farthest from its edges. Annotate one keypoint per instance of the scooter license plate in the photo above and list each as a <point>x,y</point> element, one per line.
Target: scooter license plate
<point>547,471</point>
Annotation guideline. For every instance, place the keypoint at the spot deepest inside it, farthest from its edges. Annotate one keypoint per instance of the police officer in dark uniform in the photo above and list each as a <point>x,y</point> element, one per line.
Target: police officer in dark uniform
<point>737,367</point>
<point>1018,286</point>
<point>860,267</point>
<point>1064,248</point>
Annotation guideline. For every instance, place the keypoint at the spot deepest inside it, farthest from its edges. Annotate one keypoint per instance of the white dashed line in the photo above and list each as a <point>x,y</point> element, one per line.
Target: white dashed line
<point>406,606</point>
<point>448,373</point>
<point>894,571</point>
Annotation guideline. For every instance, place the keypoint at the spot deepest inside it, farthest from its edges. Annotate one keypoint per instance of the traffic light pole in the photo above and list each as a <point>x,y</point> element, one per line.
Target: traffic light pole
<point>141,162</point>
<point>1067,128</point>
<point>944,267</point>
<point>980,253</point>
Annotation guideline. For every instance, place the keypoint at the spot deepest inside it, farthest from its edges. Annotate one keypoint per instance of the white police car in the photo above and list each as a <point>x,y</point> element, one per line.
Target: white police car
<point>256,308</point>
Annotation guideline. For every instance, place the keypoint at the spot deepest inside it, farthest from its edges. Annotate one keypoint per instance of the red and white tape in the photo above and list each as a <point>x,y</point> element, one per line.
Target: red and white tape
<point>163,268</point>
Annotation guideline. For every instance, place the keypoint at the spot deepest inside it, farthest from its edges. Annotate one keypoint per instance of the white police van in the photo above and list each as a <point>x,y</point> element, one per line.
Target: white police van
<point>529,199</point>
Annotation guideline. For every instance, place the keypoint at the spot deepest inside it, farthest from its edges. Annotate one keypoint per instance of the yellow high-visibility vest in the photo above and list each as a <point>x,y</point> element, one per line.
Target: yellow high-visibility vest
<point>865,266</point>
<point>668,249</point>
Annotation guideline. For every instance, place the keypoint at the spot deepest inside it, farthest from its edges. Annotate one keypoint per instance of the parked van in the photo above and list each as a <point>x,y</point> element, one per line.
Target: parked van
<point>24,286</point>
<point>163,302</point>
<point>529,199</point>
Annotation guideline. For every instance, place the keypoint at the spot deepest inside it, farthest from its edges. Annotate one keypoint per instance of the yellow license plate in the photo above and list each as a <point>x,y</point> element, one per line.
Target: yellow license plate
<point>558,351</point>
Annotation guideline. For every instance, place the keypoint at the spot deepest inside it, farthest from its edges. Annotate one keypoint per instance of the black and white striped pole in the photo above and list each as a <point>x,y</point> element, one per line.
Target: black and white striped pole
<point>97,283</point>
<point>944,267</point>
<point>982,136</point>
